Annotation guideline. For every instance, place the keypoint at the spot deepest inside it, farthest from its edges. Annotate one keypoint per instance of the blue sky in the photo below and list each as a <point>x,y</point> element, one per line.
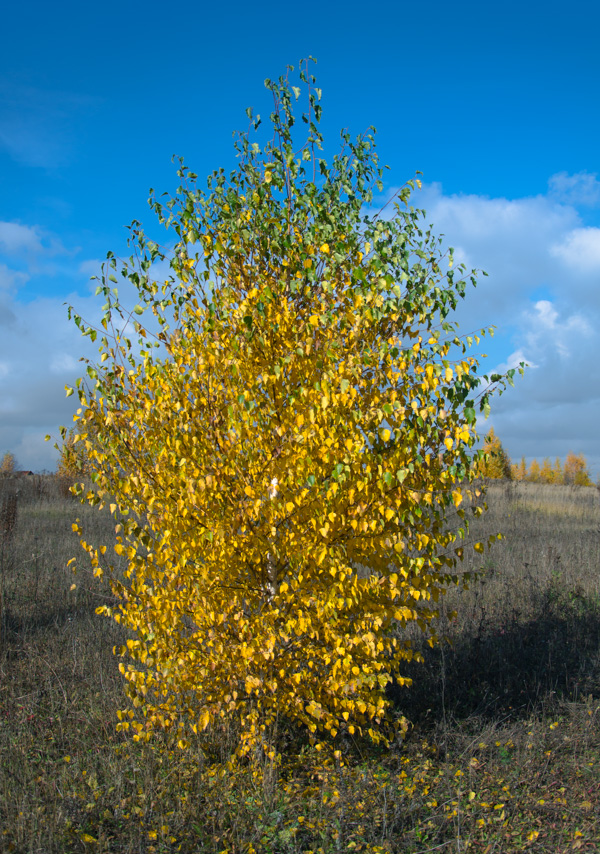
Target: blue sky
<point>495,103</point>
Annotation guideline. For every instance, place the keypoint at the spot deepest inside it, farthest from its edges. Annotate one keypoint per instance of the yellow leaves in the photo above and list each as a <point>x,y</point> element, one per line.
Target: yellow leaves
<point>295,382</point>
<point>479,548</point>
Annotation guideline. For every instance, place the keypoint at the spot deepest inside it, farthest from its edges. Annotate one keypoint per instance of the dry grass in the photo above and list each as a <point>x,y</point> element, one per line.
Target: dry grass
<point>503,755</point>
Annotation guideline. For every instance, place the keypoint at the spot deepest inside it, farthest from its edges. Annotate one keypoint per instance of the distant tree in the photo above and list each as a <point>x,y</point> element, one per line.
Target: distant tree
<point>519,470</point>
<point>73,461</point>
<point>576,470</point>
<point>558,471</point>
<point>8,464</point>
<point>547,473</point>
<point>496,463</point>
<point>534,473</point>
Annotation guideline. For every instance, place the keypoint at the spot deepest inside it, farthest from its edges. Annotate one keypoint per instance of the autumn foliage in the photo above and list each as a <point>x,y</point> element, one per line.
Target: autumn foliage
<point>495,462</point>
<point>286,454</point>
<point>574,471</point>
<point>73,459</point>
<point>7,464</point>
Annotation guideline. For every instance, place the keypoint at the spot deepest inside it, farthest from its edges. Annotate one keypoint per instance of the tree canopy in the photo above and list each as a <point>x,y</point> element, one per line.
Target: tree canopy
<point>286,454</point>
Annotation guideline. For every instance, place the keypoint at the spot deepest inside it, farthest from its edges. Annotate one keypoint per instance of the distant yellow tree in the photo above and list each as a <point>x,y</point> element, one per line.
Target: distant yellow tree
<point>533,474</point>
<point>496,463</point>
<point>8,464</point>
<point>558,471</point>
<point>576,470</point>
<point>73,461</point>
<point>519,470</point>
<point>547,473</point>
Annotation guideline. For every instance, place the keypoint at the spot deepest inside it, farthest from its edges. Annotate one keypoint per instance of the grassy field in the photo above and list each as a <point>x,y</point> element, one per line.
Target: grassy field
<point>503,753</point>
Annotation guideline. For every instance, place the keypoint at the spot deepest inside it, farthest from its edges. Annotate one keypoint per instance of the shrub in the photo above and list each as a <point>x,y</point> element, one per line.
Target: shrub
<point>305,408</point>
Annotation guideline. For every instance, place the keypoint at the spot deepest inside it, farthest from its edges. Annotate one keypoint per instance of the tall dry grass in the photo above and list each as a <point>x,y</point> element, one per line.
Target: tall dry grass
<point>503,754</point>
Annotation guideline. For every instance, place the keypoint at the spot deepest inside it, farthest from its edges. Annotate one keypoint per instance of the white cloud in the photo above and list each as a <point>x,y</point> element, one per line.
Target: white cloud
<point>10,279</point>
<point>91,267</point>
<point>508,238</point>
<point>580,250</point>
<point>16,238</point>
<point>546,332</point>
<point>514,360</point>
<point>64,363</point>
<point>582,188</point>
<point>31,246</point>
<point>543,295</point>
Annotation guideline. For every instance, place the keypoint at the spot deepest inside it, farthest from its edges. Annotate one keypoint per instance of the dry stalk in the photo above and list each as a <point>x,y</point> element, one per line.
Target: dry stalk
<point>8,517</point>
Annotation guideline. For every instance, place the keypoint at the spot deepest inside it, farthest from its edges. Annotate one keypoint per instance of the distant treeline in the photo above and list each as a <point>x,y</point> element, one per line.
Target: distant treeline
<point>572,472</point>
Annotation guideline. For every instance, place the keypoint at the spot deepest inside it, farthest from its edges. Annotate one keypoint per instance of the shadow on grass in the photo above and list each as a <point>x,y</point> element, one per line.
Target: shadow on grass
<point>16,628</point>
<point>507,671</point>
